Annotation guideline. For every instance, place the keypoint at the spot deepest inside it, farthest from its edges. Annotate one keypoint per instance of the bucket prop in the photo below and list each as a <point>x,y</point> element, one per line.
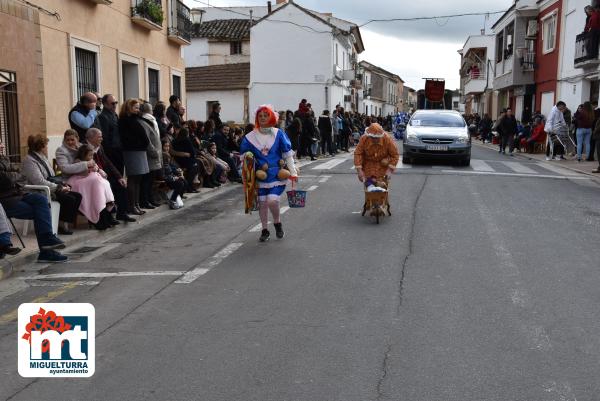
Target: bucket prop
<point>296,198</point>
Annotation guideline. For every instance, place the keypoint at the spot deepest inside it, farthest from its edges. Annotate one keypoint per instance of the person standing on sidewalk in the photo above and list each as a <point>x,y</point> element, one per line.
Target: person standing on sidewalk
<point>584,118</point>
<point>508,129</point>
<point>596,136</point>
<point>496,127</point>
<point>555,123</point>
<point>326,129</point>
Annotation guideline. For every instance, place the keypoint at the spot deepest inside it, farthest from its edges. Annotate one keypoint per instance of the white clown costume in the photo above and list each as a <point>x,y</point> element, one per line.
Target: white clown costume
<point>270,145</point>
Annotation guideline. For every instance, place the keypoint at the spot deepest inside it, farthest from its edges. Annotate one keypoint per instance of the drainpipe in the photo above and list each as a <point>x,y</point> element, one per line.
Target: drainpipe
<point>326,97</point>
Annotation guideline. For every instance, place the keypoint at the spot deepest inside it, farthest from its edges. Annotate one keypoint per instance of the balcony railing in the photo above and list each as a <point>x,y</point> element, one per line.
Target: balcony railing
<point>475,74</point>
<point>586,49</point>
<point>528,61</point>
<point>148,13</point>
<point>180,29</point>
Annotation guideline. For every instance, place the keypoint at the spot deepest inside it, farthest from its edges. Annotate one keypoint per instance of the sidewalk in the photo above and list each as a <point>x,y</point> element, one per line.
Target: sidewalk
<point>26,260</point>
<point>569,164</point>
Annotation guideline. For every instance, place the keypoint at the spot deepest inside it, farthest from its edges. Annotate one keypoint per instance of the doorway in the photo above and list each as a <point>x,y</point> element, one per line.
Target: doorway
<point>131,80</point>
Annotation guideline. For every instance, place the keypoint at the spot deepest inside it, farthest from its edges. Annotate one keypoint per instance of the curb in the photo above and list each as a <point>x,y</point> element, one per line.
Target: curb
<point>8,267</point>
<point>524,156</point>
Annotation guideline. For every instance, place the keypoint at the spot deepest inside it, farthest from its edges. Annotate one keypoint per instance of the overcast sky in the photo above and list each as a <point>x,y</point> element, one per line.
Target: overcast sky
<point>413,50</point>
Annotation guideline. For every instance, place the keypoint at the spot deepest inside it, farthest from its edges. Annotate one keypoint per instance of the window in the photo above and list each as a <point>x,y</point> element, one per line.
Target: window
<point>9,116</point>
<point>337,60</point>
<point>235,48</point>
<point>499,47</point>
<point>177,86</point>
<point>85,71</point>
<point>153,86</point>
<point>549,38</point>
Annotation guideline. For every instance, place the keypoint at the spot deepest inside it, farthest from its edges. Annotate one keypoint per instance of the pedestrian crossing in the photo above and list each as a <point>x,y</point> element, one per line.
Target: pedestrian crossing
<point>482,167</point>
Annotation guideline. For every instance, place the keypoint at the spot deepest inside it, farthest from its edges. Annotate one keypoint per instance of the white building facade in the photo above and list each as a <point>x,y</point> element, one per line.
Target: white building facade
<point>579,68</point>
<point>477,74</point>
<point>316,62</point>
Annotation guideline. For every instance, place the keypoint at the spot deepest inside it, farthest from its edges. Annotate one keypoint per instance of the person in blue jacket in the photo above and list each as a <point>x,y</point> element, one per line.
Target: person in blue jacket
<point>272,150</point>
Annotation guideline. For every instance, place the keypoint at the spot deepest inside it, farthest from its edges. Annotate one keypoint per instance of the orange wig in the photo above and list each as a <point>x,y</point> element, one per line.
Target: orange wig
<point>272,116</point>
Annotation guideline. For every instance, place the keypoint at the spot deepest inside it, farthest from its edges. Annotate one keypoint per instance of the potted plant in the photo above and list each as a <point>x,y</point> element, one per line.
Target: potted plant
<point>149,9</point>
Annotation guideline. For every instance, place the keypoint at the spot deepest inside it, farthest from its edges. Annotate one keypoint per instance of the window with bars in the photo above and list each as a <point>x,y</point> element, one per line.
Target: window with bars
<point>236,48</point>
<point>86,71</point>
<point>9,115</point>
<point>153,86</point>
<point>177,86</point>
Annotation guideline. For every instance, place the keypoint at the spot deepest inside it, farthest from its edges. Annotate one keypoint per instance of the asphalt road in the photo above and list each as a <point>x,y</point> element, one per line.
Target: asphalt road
<point>483,285</point>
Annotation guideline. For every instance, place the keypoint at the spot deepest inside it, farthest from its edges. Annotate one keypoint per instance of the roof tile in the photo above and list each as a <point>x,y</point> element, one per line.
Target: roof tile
<point>218,77</point>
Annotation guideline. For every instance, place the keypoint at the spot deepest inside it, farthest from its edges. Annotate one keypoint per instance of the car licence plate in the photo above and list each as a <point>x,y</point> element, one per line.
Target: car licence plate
<point>437,147</point>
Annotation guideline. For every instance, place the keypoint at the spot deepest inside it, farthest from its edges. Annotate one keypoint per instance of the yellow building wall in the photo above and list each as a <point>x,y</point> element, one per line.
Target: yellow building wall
<point>111,29</point>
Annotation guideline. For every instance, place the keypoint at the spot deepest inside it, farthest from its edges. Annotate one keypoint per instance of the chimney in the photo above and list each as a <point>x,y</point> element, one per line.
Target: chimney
<point>269,8</point>
<point>281,1</point>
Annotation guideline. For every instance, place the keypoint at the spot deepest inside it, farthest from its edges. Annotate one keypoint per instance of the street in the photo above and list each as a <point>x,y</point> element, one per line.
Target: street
<point>482,285</point>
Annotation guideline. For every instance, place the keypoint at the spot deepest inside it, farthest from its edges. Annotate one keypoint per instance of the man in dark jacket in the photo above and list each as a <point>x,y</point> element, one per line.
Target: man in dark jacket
<point>306,137</point>
<point>83,115</point>
<point>29,206</point>
<point>326,130</point>
<point>215,115</point>
<point>114,176</point>
<point>108,123</point>
<point>173,111</point>
<point>220,138</point>
<point>508,129</point>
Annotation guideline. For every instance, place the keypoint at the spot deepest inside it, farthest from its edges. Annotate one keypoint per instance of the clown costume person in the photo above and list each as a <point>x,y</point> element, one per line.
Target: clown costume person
<point>272,150</point>
<point>376,155</point>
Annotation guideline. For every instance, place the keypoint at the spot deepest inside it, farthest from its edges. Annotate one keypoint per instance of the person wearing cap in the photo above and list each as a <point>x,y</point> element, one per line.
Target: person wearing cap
<point>270,148</point>
<point>376,155</point>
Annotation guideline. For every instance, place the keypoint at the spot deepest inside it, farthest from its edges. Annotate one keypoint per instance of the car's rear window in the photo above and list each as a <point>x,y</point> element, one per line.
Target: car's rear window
<point>437,120</point>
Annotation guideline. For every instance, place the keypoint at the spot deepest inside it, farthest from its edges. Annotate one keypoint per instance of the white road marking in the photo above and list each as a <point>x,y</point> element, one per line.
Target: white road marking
<point>557,177</point>
<point>480,165</point>
<point>102,275</point>
<point>324,178</point>
<point>556,169</point>
<point>402,165</point>
<point>519,168</point>
<point>284,210</point>
<point>312,188</point>
<point>211,263</point>
<point>329,164</point>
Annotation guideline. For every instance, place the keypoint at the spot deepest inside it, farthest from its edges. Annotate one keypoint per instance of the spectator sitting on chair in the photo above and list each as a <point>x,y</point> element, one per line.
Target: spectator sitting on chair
<point>28,206</point>
<point>38,171</point>
<point>184,152</point>
<point>118,184</point>
<point>172,175</point>
<point>220,139</point>
<point>98,199</point>
<point>537,136</point>
<point>6,246</point>
<point>221,167</point>
<point>83,115</point>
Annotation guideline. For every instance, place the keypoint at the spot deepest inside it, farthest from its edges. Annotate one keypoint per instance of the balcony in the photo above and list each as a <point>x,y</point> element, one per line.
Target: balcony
<point>147,13</point>
<point>475,81</point>
<point>106,2</point>
<point>180,23</point>
<point>586,50</point>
